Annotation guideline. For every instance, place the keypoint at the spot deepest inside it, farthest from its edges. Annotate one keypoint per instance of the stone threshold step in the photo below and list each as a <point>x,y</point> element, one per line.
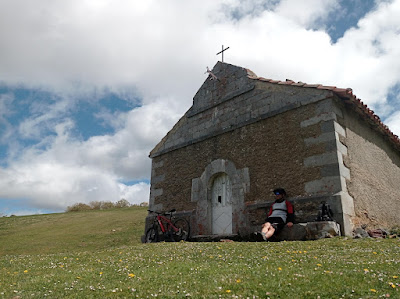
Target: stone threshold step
<point>214,238</point>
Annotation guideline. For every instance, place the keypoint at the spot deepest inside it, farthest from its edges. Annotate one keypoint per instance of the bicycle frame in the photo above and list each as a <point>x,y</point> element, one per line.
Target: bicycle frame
<point>164,222</point>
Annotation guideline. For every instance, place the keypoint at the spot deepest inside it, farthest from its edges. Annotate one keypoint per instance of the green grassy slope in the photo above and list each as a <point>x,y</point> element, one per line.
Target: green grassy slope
<point>98,254</point>
<point>329,268</point>
<point>74,231</point>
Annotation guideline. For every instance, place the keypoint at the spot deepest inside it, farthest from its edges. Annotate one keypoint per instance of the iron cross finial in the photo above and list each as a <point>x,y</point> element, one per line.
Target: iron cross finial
<point>222,52</point>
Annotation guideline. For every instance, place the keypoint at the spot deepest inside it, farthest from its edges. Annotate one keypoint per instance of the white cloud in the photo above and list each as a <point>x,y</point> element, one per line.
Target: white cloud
<point>5,101</point>
<point>40,122</point>
<point>368,54</point>
<point>135,194</point>
<point>69,170</point>
<point>5,110</point>
<point>158,51</point>
<point>120,43</point>
<point>306,12</point>
<point>52,185</point>
<point>393,122</point>
<point>365,59</point>
<point>116,43</point>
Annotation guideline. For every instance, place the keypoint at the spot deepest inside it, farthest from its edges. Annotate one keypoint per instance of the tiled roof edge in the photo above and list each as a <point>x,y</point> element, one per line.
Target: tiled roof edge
<point>347,95</point>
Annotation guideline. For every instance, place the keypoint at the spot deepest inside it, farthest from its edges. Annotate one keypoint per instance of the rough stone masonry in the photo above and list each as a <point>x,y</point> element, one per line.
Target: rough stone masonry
<point>245,135</point>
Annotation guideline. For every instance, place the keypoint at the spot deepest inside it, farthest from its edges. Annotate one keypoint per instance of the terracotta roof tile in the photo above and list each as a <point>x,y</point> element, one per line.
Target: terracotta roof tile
<point>298,84</point>
<point>263,79</point>
<point>312,85</point>
<point>326,87</point>
<point>346,94</point>
<point>285,83</point>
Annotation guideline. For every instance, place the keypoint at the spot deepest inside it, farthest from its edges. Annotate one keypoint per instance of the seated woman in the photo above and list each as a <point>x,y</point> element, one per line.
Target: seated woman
<point>280,213</point>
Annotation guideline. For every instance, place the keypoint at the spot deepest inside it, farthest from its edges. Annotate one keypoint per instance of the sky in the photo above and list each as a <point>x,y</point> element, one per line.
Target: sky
<point>89,87</point>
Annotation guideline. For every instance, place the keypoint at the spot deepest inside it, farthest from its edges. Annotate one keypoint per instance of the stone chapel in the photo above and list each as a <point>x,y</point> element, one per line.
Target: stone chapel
<point>246,135</point>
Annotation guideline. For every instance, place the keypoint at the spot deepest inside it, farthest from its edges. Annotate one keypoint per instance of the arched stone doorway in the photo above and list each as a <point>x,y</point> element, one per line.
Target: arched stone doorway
<point>219,193</point>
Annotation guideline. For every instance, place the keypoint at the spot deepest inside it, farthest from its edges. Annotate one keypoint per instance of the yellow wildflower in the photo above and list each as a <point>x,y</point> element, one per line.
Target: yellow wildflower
<point>131,275</point>
<point>228,291</point>
<point>26,271</point>
<point>373,290</point>
<point>279,269</point>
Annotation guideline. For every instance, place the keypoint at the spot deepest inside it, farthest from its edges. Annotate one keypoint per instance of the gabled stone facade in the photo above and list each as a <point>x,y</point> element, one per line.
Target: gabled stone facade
<point>245,135</point>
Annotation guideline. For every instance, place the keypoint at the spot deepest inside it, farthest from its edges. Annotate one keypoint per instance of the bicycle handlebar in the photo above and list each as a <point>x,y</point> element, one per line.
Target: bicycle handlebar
<point>163,213</point>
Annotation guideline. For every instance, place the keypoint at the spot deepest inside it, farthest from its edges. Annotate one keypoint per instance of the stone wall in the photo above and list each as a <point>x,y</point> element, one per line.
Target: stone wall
<point>334,173</point>
<point>279,135</point>
<point>375,174</point>
<point>272,149</point>
<point>224,106</point>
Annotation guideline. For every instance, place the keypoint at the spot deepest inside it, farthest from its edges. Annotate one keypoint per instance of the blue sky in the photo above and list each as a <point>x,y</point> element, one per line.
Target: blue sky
<point>87,89</point>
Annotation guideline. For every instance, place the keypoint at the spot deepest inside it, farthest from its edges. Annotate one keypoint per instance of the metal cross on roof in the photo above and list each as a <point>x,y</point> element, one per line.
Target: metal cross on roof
<point>222,52</point>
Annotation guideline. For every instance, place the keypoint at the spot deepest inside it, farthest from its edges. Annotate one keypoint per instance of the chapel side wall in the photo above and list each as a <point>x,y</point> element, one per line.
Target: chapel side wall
<point>375,174</point>
<point>272,149</point>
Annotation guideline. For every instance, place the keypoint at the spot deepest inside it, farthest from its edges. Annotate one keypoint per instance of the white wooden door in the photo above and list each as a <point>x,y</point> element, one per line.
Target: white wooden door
<point>221,203</point>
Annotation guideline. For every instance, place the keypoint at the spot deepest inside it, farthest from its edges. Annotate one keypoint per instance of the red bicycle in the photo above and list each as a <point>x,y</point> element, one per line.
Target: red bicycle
<point>165,228</point>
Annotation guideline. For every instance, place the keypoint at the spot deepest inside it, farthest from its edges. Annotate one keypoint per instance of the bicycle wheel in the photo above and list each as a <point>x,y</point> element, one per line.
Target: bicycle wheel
<point>151,235</point>
<point>184,229</point>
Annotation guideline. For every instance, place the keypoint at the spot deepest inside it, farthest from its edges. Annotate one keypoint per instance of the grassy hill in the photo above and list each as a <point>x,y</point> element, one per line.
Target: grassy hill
<point>98,254</point>
<point>74,231</point>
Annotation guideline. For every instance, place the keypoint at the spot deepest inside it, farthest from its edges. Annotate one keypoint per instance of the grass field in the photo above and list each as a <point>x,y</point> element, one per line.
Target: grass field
<point>101,256</point>
<point>74,231</point>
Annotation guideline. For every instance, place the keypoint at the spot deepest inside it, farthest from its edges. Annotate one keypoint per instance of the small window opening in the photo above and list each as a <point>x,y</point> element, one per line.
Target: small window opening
<point>219,199</point>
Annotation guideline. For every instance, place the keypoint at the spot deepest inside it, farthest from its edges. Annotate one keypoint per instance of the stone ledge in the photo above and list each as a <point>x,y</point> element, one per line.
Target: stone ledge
<point>298,232</point>
<point>309,231</point>
<point>215,238</point>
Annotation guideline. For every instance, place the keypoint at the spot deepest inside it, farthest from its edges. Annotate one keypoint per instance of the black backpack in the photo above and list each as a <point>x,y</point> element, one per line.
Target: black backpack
<point>325,213</point>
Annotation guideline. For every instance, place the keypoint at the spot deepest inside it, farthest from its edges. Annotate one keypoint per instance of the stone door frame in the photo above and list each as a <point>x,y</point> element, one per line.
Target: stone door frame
<point>202,192</point>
